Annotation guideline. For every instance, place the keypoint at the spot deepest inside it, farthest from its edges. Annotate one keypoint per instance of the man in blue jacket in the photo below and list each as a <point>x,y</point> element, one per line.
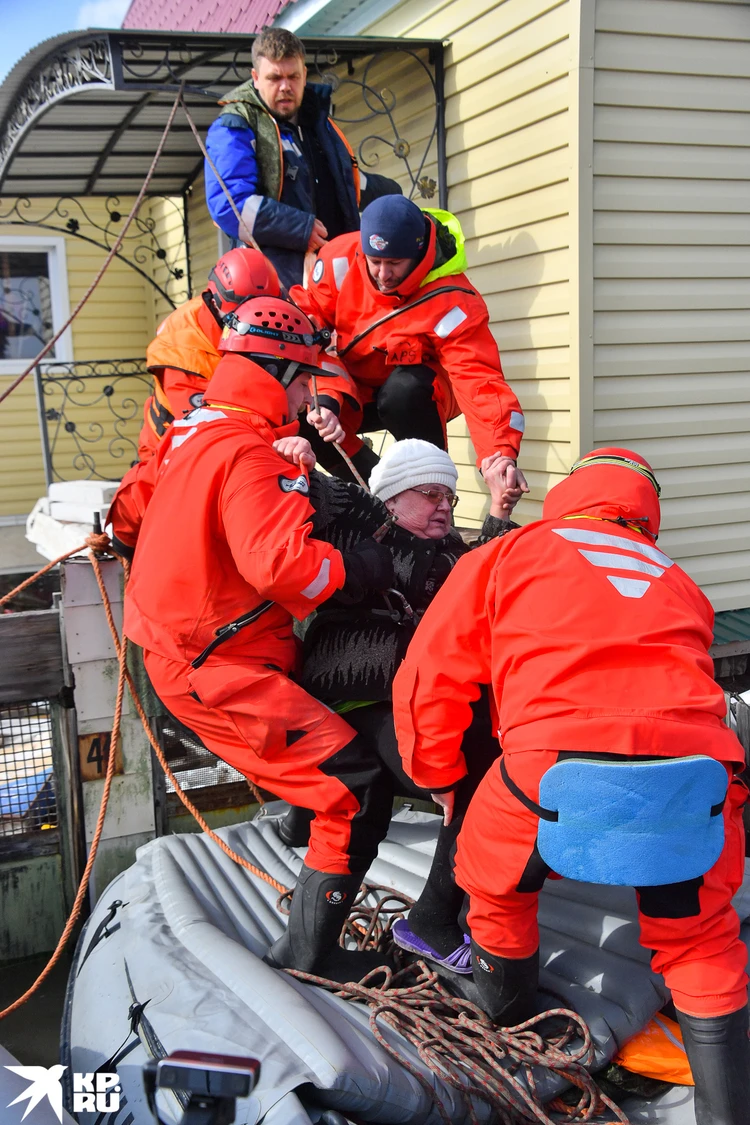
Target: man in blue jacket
<point>287,166</point>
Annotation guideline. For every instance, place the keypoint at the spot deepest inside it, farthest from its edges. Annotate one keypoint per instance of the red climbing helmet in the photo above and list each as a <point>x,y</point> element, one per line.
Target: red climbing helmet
<point>277,335</point>
<point>238,275</point>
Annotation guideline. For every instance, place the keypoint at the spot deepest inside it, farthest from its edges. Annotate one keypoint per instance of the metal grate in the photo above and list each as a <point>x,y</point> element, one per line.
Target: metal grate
<point>194,766</point>
<point>27,784</point>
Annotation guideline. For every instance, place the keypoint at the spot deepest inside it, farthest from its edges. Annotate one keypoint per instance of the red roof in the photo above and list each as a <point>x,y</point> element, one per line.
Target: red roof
<point>236,16</point>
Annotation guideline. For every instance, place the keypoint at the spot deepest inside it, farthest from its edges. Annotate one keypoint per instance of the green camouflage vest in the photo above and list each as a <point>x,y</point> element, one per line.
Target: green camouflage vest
<point>244,102</point>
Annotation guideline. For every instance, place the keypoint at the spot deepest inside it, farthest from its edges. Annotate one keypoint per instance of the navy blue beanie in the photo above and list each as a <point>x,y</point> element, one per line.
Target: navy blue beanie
<point>393,227</point>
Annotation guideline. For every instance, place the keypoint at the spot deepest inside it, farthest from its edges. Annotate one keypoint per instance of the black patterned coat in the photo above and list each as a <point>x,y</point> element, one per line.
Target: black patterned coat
<point>353,652</point>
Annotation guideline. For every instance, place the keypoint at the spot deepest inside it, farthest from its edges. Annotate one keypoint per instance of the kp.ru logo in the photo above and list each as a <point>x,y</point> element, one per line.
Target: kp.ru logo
<point>95,1093</point>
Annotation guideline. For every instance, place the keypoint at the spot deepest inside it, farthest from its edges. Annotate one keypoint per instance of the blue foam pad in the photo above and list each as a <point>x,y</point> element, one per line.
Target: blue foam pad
<point>633,824</point>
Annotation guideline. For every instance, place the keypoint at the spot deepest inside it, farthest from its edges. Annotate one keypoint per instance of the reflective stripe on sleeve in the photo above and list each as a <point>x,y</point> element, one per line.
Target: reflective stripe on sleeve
<point>451,320</point>
<point>249,212</point>
<point>517,421</point>
<point>320,581</point>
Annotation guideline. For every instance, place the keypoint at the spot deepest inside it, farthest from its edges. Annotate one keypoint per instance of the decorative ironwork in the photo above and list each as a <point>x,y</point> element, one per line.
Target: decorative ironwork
<point>168,64</point>
<point>77,66</point>
<point>69,215</point>
<point>90,415</point>
<point>380,106</point>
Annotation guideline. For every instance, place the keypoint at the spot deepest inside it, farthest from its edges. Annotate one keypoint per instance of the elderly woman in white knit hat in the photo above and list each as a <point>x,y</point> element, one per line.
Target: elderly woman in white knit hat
<point>352,653</point>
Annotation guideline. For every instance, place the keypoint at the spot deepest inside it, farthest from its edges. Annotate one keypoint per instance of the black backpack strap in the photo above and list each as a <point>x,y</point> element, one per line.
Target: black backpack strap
<point>532,806</point>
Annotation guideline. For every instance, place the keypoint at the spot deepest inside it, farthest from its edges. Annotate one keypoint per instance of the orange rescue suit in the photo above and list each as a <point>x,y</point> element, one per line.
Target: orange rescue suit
<point>225,531</point>
<point>442,323</point>
<point>228,526</point>
<point>182,357</point>
<point>593,640</point>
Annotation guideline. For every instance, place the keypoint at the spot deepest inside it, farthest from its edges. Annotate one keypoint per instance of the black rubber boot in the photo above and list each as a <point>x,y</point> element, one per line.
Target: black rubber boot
<point>507,987</point>
<point>718,1050</point>
<point>320,906</point>
<point>294,829</point>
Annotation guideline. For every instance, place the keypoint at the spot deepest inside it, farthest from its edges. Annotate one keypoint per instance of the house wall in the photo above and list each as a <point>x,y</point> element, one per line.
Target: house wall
<point>510,147</point>
<point>205,236</point>
<point>671,161</point>
<point>117,323</point>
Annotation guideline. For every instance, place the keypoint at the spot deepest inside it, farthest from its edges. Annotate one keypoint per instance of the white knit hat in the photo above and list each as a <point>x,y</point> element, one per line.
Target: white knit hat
<point>411,462</point>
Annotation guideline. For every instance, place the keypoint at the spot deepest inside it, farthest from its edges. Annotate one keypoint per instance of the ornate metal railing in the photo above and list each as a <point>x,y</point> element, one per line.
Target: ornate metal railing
<point>375,119</point>
<point>141,249</point>
<point>90,415</point>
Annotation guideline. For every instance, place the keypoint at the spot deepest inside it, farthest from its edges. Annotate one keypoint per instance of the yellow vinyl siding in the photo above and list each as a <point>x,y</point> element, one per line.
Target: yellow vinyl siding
<point>169,230</point>
<point>204,236</point>
<point>672,269</point>
<point>507,137</point>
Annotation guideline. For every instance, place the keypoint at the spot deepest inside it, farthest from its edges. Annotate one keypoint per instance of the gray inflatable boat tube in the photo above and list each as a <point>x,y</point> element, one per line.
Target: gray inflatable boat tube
<point>171,959</point>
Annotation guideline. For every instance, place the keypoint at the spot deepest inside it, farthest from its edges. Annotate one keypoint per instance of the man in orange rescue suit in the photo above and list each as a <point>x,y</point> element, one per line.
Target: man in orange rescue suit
<point>183,355</point>
<point>223,563</point>
<point>617,766</point>
<point>414,335</point>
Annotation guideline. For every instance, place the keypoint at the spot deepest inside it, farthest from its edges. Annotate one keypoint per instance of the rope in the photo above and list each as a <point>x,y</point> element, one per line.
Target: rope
<point>458,1042</point>
<point>83,885</point>
<point>357,475</point>
<point>247,237</point>
<point>118,243</point>
<point>240,222</point>
<point>94,542</point>
<point>99,542</point>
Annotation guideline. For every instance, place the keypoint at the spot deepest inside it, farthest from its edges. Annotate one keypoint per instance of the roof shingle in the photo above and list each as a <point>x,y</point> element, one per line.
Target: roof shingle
<point>236,16</point>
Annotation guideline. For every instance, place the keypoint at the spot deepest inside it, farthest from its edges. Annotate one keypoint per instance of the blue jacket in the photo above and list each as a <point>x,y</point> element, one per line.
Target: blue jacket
<point>310,150</point>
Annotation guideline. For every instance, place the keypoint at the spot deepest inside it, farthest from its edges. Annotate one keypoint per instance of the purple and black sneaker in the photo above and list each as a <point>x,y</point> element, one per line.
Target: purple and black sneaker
<point>459,961</point>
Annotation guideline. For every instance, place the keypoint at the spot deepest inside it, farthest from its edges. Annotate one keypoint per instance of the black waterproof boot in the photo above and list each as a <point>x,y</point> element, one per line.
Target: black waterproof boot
<point>718,1050</point>
<point>294,829</point>
<point>320,906</point>
<point>507,988</point>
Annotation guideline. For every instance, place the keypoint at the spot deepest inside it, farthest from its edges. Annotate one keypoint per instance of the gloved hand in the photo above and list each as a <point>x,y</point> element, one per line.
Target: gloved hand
<point>369,566</point>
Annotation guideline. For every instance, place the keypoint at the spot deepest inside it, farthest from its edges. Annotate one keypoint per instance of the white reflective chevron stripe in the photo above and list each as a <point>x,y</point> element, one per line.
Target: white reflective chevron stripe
<point>451,320</point>
<point>178,439</point>
<point>629,587</point>
<point>620,562</point>
<point>517,421</point>
<point>600,539</point>
<point>320,581</point>
<point>340,270</point>
<point>193,420</point>
<point>195,417</point>
<point>362,181</point>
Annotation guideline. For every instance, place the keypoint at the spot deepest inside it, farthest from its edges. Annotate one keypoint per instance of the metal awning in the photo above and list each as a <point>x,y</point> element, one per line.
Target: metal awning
<point>82,113</point>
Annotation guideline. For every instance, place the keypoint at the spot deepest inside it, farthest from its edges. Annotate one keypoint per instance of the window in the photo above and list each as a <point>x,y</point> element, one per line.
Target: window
<point>33,300</point>
<point>25,304</point>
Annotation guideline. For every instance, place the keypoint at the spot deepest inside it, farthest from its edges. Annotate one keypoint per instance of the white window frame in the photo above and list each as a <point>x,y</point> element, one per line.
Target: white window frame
<point>58,280</point>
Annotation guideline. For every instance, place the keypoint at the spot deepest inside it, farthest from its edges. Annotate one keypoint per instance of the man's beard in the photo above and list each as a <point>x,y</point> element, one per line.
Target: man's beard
<point>285,114</point>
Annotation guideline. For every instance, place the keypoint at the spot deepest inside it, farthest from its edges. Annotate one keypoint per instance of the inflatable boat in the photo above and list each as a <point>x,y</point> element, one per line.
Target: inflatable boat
<point>171,958</point>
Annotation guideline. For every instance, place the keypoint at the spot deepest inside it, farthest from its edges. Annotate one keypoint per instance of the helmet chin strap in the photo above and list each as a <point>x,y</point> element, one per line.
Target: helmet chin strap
<point>208,301</point>
<point>285,371</point>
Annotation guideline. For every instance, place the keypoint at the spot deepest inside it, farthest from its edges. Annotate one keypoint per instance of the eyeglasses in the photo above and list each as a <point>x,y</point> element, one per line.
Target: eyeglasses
<point>435,496</point>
